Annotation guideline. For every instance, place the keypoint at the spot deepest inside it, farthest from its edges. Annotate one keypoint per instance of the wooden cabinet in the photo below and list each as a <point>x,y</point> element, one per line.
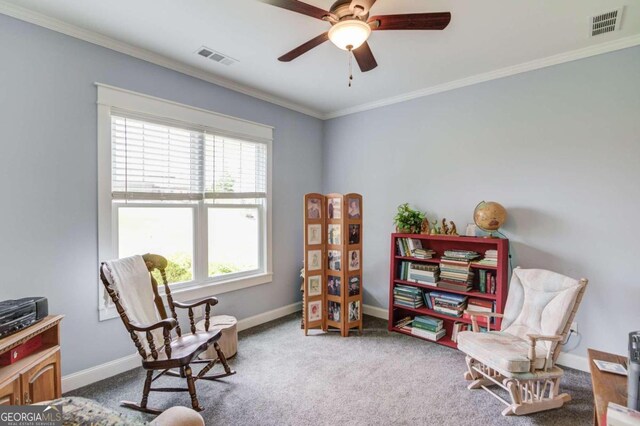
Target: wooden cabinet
<point>10,391</point>
<point>36,377</point>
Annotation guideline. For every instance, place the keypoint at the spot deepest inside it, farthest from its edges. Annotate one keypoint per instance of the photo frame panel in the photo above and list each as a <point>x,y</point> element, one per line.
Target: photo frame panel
<point>354,233</point>
<point>354,311</point>
<point>314,285</point>
<point>314,259</point>
<point>314,311</point>
<point>354,285</point>
<point>314,234</point>
<point>334,260</point>
<point>334,312</point>
<point>353,206</point>
<point>334,285</point>
<point>334,207</point>
<point>334,234</point>
<point>354,260</point>
<point>313,207</point>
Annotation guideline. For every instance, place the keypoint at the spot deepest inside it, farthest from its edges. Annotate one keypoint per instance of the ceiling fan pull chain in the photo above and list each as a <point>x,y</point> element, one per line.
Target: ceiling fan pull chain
<point>350,67</point>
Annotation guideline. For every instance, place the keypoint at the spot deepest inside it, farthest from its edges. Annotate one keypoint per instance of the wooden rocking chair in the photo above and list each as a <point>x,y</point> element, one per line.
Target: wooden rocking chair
<point>134,292</point>
<point>521,357</point>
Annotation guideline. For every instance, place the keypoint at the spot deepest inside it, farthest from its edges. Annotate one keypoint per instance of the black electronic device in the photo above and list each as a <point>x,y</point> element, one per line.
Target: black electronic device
<point>21,313</point>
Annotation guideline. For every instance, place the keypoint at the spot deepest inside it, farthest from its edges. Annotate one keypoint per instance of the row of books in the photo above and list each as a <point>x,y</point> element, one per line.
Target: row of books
<point>419,273</point>
<point>423,326</point>
<point>412,247</point>
<point>446,303</point>
<point>456,274</point>
<point>466,255</point>
<point>490,259</point>
<point>408,296</point>
<point>486,281</point>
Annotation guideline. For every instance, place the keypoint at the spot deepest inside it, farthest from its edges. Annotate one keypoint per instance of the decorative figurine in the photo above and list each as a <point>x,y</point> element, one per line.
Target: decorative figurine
<point>435,228</point>
<point>424,228</point>
<point>454,230</point>
<point>445,228</point>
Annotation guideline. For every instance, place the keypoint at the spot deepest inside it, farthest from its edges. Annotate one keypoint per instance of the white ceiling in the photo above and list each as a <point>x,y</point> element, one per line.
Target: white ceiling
<point>483,36</point>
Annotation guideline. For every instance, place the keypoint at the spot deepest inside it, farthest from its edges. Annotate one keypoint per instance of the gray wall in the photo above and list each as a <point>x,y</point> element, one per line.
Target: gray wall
<point>558,147</point>
<point>48,223</point>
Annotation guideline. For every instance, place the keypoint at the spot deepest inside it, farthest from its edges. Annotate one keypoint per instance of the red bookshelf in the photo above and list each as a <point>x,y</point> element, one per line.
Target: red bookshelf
<point>440,243</point>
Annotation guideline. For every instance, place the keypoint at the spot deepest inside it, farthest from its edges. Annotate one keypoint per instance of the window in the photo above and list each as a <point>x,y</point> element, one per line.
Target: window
<point>193,188</point>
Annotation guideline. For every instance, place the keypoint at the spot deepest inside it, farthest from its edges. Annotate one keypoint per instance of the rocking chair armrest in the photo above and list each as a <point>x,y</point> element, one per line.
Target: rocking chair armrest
<point>168,324</point>
<point>212,301</point>
<point>533,339</point>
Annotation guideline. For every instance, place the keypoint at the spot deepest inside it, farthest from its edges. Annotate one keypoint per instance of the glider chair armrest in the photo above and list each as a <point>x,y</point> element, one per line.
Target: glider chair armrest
<point>533,339</point>
<point>487,315</point>
<point>168,323</point>
<point>208,302</point>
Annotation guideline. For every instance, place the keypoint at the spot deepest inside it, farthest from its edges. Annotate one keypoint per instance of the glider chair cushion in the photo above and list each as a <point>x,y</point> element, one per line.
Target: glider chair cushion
<point>498,350</point>
<point>539,302</point>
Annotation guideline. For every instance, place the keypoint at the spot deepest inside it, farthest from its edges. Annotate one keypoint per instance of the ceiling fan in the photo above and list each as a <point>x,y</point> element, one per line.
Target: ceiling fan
<point>351,26</point>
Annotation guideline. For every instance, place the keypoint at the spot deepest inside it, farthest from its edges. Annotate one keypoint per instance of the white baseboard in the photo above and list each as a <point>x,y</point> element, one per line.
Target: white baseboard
<point>374,311</point>
<point>108,369</point>
<point>573,361</point>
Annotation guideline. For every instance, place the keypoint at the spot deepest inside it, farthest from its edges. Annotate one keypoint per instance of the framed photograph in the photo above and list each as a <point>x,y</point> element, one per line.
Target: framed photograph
<point>354,234</point>
<point>354,285</point>
<point>333,285</point>
<point>354,311</point>
<point>314,311</point>
<point>354,208</point>
<point>314,234</point>
<point>610,367</point>
<point>314,286</point>
<point>334,208</point>
<point>314,259</point>
<point>334,259</point>
<point>314,208</point>
<point>334,234</point>
<point>354,260</point>
<point>333,312</point>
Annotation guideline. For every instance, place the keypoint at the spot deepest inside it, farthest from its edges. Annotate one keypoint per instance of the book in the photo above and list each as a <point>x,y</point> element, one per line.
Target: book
<point>618,415</point>
<point>610,367</point>
<point>429,335</point>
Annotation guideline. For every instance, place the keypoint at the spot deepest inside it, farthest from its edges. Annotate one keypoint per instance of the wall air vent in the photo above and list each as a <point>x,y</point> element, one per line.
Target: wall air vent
<point>605,22</point>
<point>218,57</point>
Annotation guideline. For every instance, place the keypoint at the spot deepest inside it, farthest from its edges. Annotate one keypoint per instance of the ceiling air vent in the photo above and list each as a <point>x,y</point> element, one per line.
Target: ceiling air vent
<point>605,22</point>
<point>215,56</point>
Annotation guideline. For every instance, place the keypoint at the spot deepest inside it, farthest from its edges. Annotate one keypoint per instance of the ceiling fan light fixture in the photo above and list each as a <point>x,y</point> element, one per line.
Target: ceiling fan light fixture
<point>349,34</point>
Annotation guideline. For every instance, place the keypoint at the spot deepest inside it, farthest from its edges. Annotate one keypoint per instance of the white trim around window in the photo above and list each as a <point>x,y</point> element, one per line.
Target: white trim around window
<point>110,99</point>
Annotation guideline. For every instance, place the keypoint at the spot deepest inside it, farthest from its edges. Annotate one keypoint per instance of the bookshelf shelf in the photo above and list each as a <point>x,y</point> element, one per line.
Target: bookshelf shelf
<point>439,244</point>
<point>472,293</point>
<point>437,260</point>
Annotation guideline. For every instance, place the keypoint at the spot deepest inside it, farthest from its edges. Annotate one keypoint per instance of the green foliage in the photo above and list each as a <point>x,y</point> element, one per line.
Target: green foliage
<point>218,268</point>
<point>179,269</point>
<point>407,219</point>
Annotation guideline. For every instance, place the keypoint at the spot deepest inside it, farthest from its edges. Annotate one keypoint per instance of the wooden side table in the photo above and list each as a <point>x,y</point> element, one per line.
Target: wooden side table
<point>607,387</point>
<point>37,377</point>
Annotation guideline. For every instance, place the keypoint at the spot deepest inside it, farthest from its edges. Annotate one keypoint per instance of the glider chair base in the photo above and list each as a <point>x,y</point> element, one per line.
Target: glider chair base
<point>529,392</point>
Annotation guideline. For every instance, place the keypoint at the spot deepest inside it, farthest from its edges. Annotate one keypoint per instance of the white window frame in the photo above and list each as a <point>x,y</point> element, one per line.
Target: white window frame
<point>109,98</point>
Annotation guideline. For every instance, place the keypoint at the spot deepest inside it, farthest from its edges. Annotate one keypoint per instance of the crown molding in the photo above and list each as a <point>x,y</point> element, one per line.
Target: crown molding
<point>39,19</point>
<point>93,37</point>
<point>611,46</point>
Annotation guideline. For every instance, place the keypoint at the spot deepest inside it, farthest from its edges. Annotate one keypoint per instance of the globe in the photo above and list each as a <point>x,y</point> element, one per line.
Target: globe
<point>489,216</point>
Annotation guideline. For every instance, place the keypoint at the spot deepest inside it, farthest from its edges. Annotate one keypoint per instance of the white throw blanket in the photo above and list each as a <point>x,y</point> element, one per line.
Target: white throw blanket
<point>131,279</point>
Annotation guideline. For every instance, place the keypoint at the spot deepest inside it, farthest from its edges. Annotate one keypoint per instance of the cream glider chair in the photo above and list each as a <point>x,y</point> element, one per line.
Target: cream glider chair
<point>520,358</point>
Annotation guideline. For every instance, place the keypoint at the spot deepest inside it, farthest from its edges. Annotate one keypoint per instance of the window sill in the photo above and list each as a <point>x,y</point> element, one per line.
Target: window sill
<point>192,291</point>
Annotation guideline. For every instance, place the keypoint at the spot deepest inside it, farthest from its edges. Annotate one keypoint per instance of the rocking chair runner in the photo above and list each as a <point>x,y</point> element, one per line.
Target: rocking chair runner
<point>540,308</point>
<point>134,292</point>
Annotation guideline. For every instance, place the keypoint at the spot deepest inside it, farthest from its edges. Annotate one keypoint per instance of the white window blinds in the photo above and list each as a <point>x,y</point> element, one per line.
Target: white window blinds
<point>156,161</point>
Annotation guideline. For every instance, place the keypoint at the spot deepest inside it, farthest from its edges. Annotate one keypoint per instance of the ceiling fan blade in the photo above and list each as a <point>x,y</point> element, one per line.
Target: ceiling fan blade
<point>364,4</point>
<point>304,48</point>
<point>411,21</point>
<point>300,7</point>
<point>364,57</point>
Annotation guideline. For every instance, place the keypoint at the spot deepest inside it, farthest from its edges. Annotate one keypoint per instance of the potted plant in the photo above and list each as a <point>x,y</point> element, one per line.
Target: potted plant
<point>408,220</point>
